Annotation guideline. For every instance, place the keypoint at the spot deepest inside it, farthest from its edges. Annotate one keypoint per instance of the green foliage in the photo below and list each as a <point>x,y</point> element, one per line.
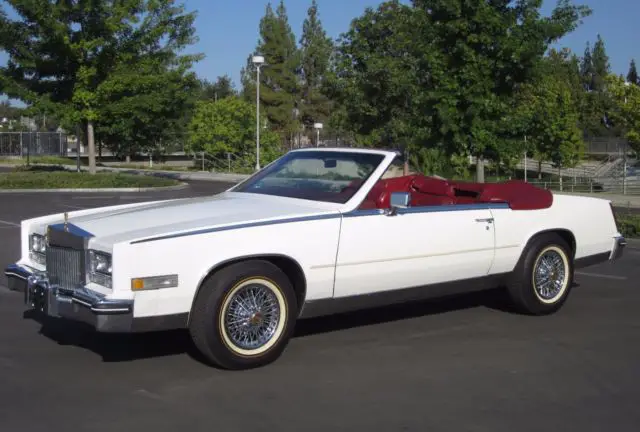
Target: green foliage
<point>34,179</point>
<point>315,55</point>
<point>63,54</point>
<point>548,113</point>
<point>141,109</point>
<point>626,110</point>
<point>375,78</point>
<point>632,75</point>
<point>228,126</point>
<point>278,77</point>
<point>443,74</point>
<point>629,225</point>
<point>596,103</point>
<point>223,87</point>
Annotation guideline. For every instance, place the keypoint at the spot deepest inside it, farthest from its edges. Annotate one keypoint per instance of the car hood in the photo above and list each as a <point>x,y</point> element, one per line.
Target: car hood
<point>113,225</point>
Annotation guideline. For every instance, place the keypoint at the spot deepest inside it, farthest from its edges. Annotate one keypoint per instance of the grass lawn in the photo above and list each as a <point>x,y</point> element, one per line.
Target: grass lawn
<point>34,178</point>
<point>629,225</point>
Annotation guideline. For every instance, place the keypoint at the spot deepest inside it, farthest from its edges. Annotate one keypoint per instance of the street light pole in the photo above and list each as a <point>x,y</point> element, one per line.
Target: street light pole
<point>317,127</point>
<point>258,61</point>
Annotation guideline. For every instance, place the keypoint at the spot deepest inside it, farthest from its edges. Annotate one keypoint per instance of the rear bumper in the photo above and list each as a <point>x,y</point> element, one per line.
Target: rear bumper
<point>84,305</point>
<point>619,243</point>
<point>616,252</point>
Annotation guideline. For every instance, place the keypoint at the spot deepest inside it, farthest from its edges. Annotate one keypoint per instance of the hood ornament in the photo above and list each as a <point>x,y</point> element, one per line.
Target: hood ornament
<point>66,221</point>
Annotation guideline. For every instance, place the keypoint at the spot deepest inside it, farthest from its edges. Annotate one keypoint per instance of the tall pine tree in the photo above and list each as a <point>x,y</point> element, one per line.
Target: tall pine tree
<point>586,69</point>
<point>316,50</point>
<point>601,66</point>
<point>278,76</point>
<point>632,75</point>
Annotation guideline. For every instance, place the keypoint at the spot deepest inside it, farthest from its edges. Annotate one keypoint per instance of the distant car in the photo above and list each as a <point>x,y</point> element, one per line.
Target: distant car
<point>318,231</point>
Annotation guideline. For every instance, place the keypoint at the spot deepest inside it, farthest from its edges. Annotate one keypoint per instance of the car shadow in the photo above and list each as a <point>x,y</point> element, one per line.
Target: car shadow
<point>137,346</point>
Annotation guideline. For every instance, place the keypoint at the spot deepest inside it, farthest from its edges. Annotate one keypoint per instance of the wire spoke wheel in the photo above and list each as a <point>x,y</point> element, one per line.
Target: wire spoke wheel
<point>253,316</point>
<point>550,275</point>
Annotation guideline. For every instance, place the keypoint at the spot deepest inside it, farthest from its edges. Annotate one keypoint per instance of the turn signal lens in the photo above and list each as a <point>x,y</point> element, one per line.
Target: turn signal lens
<point>154,282</point>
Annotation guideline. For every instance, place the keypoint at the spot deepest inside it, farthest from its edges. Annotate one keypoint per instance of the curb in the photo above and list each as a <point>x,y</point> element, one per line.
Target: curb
<point>97,190</point>
<point>180,175</point>
<point>633,243</point>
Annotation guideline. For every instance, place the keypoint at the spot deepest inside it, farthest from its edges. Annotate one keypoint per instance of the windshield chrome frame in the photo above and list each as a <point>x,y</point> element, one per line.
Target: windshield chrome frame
<point>359,196</point>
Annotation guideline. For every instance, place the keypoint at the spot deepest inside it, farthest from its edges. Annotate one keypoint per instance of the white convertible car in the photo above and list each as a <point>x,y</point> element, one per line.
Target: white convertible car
<point>316,232</point>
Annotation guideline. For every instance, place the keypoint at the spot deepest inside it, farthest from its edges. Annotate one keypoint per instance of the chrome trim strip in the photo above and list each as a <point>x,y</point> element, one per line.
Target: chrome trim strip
<point>430,209</point>
<point>98,304</point>
<point>354,213</point>
<point>239,226</point>
<point>367,212</point>
<point>18,271</point>
<point>452,207</point>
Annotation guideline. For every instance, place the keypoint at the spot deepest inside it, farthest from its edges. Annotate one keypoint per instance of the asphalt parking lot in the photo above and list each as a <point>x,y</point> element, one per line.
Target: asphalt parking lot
<point>463,364</point>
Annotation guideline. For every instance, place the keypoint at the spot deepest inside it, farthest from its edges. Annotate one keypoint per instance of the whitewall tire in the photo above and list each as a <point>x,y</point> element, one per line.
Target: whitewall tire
<point>542,280</point>
<point>244,315</point>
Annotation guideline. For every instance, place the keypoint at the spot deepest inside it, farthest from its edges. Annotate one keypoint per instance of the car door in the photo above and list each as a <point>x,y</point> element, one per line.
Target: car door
<point>418,246</point>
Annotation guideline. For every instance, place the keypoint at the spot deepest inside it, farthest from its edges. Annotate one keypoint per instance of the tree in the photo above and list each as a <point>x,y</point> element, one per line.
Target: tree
<point>316,49</point>
<point>60,53</point>
<point>278,77</point>
<point>144,109</point>
<point>601,66</point>
<point>374,79</point>
<point>475,55</point>
<point>586,69</point>
<point>632,75</point>
<point>223,87</point>
<point>228,126</point>
<point>626,110</point>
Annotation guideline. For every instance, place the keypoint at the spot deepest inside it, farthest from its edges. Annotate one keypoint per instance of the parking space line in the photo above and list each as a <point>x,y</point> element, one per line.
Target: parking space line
<point>13,224</point>
<point>72,206</point>
<point>601,275</point>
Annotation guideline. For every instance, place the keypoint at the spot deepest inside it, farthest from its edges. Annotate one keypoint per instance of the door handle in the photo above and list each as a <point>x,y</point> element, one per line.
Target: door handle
<point>487,220</point>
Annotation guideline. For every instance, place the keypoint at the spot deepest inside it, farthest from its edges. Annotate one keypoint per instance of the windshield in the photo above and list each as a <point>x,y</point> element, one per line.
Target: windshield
<point>314,175</point>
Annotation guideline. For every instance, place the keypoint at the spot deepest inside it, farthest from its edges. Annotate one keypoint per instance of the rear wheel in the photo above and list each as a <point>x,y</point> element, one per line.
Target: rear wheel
<point>543,278</point>
<point>244,315</point>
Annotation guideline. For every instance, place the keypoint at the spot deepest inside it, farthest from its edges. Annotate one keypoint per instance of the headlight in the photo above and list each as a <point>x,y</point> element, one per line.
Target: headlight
<point>100,262</point>
<point>37,249</point>
<point>38,244</point>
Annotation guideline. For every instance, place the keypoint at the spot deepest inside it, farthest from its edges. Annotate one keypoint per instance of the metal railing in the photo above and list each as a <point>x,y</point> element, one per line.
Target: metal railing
<point>618,186</point>
<point>25,144</point>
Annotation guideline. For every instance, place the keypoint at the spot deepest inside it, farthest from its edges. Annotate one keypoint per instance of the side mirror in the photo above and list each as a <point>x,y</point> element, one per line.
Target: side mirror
<point>398,200</point>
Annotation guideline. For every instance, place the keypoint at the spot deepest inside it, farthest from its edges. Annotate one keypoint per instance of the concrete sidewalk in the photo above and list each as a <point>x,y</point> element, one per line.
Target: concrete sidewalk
<point>179,175</point>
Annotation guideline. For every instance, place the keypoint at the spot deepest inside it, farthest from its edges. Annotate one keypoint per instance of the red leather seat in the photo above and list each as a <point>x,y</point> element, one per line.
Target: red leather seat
<point>429,191</point>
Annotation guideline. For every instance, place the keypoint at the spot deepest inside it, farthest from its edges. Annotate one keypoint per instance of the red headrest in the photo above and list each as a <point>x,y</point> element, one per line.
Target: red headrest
<point>433,186</point>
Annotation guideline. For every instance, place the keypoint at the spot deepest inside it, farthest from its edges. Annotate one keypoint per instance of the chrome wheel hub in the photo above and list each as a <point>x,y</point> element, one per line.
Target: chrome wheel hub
<point>252,316</point>
<point>549,275</point>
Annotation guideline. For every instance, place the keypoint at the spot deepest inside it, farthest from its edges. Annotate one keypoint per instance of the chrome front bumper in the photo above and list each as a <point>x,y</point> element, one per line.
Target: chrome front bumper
<point>82,304</point>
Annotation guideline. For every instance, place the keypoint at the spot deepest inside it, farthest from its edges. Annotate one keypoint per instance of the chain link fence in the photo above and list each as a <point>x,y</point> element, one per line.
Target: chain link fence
<point>25,144</point>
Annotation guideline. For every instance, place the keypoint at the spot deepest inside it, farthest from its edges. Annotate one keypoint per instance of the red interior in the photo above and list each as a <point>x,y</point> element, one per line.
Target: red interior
<point>519,195</point>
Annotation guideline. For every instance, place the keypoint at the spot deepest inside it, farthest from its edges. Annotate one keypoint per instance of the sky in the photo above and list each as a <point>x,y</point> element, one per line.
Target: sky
<point>228,29</point>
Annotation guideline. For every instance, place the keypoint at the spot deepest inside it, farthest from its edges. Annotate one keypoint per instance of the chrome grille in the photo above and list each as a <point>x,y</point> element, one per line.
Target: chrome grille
<point>65,267</point>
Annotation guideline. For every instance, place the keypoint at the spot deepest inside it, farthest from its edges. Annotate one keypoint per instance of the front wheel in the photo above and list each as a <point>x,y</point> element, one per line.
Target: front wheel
<point>244,315</point>
<point>542,280</point>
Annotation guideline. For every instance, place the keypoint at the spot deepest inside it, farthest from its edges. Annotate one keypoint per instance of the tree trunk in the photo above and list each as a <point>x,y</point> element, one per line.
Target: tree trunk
<point>479,169</point>
<point>539,170</point>
<point>91,147</point>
